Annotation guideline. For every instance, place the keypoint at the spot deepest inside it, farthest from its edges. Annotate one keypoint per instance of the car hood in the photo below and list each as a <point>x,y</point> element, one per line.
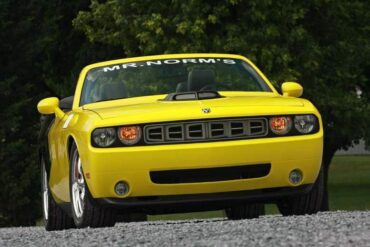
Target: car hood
<point>153,109</point>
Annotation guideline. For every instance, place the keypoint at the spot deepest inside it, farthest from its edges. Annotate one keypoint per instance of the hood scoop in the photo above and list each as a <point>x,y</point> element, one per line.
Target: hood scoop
<point>201,95</point>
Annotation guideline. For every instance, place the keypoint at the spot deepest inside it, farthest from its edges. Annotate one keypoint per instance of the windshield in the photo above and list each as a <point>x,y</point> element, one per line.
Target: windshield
<point>155,77</point>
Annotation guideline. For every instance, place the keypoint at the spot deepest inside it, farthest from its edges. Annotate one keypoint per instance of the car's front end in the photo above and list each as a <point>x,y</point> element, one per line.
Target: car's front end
<point>184,132</point>
<point>189,151</point>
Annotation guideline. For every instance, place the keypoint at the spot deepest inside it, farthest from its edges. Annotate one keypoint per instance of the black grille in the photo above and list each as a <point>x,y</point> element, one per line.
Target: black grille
<point>208,130</point>
<point>237,128</point>
<point>154,134</point>
<point>174,132</point>
<point>217,129</point>
<point>195,131</point>
<point>210,174</point>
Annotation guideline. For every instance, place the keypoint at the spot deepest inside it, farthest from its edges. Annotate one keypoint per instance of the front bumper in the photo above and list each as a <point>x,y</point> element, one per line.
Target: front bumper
<point>200,202</point>
<point>103,168</point>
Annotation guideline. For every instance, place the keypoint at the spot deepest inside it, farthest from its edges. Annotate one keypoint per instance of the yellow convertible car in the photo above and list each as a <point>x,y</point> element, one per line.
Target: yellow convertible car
<point>177,133</point>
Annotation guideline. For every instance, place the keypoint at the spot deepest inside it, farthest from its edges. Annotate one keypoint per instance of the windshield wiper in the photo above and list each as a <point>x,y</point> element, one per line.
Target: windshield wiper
<point>199,95</point>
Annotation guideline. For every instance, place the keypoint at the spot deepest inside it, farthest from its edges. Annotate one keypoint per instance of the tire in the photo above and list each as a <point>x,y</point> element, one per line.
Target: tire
<point>54,217</point>
<point>304,204</point>
<point>245,211</point>
<point>84,211</point>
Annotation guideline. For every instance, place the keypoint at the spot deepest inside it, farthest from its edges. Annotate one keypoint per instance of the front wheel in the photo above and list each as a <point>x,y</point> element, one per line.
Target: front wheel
<point>304,204</point>
<point>84,211</point>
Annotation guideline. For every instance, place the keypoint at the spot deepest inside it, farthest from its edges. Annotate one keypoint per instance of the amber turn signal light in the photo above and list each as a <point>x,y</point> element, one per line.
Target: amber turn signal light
<point>129,135</point>
<point>280,125</point>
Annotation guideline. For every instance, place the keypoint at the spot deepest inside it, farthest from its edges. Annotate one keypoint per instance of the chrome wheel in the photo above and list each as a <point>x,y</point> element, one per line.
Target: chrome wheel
<point>85,212</point>
<point>45,192</point>
<point>78,186</point>
<point>54,217</point>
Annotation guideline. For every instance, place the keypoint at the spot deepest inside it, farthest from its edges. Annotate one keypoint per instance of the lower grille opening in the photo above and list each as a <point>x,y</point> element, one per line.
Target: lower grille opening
<point>210,174</point>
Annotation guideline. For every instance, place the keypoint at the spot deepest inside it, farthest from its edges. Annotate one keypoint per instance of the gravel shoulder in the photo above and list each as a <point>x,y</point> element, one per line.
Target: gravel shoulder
<point>323,229</point>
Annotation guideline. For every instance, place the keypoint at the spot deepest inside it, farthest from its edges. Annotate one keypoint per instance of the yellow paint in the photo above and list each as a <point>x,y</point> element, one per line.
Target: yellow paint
<point>50,106</point>
<point>107,166</point>
<point>292,89</point>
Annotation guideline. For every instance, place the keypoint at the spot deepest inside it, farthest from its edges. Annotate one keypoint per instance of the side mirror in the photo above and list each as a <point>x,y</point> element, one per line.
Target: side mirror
<point>50,106</point>
<point>292,89</point>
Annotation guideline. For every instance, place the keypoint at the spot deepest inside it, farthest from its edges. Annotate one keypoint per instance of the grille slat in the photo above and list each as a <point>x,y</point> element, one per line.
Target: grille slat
<point>207,130</point>
<point>217,129</point>
<point>154,134</point>
<point>195,131</point>
<point>174,132</point>
<point>237,128</point>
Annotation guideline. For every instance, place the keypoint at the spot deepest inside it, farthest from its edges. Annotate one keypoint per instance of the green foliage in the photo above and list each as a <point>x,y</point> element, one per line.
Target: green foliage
<point>322,44</point>
<point>41,55</point>
<point>18,189</point>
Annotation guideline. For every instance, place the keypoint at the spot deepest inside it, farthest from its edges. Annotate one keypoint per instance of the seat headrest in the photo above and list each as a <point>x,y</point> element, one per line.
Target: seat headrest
<point>201,80</point>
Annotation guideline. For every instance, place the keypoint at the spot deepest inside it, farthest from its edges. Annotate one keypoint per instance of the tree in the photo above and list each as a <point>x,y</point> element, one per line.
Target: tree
<point>323,44</point>
<point>41,55</point>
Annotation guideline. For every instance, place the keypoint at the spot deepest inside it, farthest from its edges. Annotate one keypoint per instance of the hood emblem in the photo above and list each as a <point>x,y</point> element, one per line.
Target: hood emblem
<point>206,110</point>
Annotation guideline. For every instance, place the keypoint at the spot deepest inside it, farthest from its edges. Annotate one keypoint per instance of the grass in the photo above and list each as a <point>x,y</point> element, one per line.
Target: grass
<point>349,183</point>
<point>349,189</point>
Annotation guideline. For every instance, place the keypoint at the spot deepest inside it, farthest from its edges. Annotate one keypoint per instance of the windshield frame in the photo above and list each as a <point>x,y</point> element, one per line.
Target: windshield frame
<point>80,85</point>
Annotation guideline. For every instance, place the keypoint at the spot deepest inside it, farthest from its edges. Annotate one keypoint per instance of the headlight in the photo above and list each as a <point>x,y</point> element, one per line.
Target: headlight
<point>280,125</point>
<point>104,137</point>
<point>129,135</point>
<point>304,123</point>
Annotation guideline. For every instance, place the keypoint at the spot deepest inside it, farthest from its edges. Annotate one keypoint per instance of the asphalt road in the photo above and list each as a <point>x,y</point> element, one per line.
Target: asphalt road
<point>323,229</point>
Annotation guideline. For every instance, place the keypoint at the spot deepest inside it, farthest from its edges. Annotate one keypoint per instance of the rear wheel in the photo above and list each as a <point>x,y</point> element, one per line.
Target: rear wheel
<point>54,217</point>
<point>304,204</point>
<point>84,211</point>
<point>245,211</point>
